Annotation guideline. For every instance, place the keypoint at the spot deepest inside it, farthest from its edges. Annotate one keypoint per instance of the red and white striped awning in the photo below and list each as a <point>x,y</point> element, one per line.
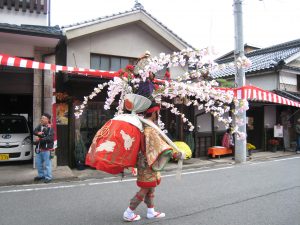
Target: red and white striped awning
<point>253,93</point>
<point>249,92</point>
<point>7,60</point>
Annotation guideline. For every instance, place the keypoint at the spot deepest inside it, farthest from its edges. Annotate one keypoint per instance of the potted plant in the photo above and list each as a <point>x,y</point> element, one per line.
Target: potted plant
<point>250,147</point>
<point>273,143</point>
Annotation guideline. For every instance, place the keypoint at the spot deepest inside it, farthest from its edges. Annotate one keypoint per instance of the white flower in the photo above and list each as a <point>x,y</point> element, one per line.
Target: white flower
<point>199,92</point>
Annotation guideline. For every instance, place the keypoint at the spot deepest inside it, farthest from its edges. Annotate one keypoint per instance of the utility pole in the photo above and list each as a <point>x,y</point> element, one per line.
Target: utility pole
<point>240,145</point>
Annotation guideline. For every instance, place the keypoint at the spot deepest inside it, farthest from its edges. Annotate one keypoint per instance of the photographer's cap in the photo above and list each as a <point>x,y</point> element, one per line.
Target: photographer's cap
<point>47,115</point>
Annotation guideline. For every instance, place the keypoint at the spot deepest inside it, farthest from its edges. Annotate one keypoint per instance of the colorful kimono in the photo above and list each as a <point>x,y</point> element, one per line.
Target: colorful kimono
<point>153,157</point>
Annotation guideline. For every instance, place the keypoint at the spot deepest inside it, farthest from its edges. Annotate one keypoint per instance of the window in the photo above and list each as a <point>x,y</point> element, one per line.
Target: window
<point>110,63</point>
<point>13,126</point>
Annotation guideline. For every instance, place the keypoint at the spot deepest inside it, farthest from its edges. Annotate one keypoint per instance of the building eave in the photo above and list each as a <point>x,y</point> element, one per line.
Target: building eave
<point>21,32</point>
<point>121,19</point>
<point>32,30</point>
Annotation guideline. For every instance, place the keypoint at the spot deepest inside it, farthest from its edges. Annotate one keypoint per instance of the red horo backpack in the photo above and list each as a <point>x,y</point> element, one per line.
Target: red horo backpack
<point>114,147</point>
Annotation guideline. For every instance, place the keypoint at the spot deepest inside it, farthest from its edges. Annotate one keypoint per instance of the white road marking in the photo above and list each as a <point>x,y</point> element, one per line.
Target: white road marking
<point>128,180</point>
<point>111,182</point>
<point>42,188</point>
<point>275,160</point>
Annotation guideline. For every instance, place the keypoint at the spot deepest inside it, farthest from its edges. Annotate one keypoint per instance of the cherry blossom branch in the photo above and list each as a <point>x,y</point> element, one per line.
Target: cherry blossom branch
<point>79,109</point>
<point>176,112</point>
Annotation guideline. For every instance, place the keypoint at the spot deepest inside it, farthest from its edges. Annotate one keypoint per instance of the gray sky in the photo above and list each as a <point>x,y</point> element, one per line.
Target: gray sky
<point>201,23</point>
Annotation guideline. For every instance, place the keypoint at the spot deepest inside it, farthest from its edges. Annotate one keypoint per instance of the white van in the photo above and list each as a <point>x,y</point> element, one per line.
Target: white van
<point>15,138</point>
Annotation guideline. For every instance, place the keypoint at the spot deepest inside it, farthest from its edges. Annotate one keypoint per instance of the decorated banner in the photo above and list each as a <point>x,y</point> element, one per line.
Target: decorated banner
<point>7,60</point>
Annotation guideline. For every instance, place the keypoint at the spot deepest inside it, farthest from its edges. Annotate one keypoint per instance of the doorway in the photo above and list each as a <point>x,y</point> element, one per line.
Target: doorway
<point>255,126</point>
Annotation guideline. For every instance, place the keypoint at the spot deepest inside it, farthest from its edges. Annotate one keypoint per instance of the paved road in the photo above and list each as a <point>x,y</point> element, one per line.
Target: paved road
<point>264,193</point>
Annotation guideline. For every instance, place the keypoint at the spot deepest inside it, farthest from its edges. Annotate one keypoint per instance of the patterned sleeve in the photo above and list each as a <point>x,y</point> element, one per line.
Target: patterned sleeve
<point>155,145</point>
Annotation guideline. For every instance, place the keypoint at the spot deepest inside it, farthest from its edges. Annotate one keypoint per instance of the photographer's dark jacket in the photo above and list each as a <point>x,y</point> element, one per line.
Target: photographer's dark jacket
<point>46,140</point>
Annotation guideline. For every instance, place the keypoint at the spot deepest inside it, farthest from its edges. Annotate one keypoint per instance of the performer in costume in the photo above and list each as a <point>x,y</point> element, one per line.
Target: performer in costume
<point>128,138</point>
<point>152,158</point>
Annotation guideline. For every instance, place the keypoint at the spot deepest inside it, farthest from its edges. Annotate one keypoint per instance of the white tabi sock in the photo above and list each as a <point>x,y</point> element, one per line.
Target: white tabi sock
<point>129,215</point>
<point>150,211</point>
<point>151,214</point>
<point>129,212</point>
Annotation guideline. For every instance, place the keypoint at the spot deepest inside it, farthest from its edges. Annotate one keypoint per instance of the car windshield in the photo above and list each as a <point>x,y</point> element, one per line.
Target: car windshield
<point>13,126</point>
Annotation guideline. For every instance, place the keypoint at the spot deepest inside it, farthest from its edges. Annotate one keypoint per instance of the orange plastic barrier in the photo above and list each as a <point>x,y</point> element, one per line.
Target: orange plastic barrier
<point>218,151</point>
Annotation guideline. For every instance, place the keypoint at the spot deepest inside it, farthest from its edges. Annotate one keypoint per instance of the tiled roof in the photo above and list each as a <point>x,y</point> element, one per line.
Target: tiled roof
<point>46,31</point>
<point>263,59</point>
<point>120,14</point>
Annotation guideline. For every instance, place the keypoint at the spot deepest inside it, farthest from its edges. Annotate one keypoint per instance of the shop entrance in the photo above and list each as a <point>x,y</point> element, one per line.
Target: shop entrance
<point>255,126</point>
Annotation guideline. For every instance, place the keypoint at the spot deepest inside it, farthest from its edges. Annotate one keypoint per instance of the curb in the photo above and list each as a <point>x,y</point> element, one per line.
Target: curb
<point>171,167</point>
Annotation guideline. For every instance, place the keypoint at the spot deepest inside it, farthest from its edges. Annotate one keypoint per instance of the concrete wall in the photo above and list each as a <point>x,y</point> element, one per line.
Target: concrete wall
<point>37,92</point>
<point>48,86</point>
<point>204,121</point>
<point>16,49</point>
<point>128,41</point>
<point>23,45</point>
<point>37,86</point>
<point>284,81</point>
<point>19,17</point>
<point>264,81</point>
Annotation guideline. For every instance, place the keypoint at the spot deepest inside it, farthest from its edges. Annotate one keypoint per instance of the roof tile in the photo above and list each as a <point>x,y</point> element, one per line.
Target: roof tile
<point>262,59</point>
<point>34,29</point>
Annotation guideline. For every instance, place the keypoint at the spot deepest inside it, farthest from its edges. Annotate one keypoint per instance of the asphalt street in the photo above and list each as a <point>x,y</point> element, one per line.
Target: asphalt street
<point>261,193</point>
